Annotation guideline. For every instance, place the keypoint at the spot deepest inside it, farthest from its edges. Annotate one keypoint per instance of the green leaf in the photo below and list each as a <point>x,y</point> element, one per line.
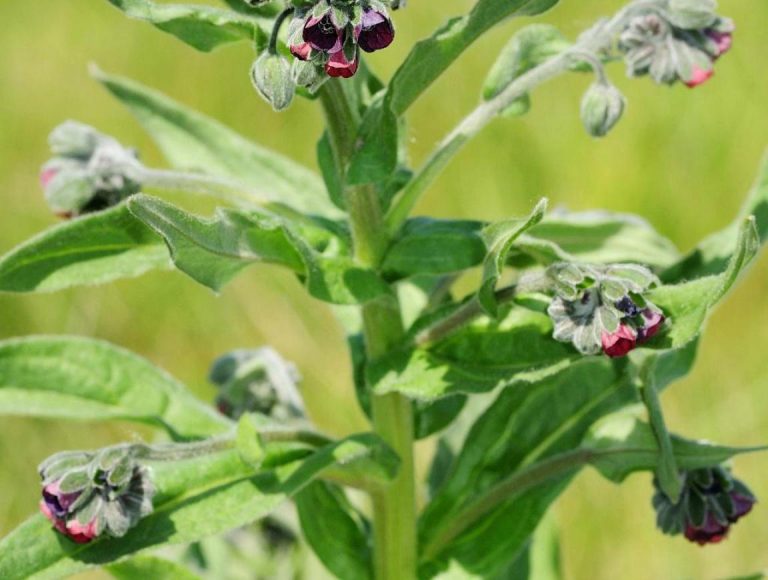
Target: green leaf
<point>336,532</point>
<point>150,567</point>
<point>212,251</point>
<point>527,49</point>
<point>196,498</point>
<point>623,445</point>
<point>478,358</point>
<point>712,255</point>
<point>500,238</point>
<point>93,249</point>
<point>191,141</point>
<point>85,379</point>
<point>376,156</point>
<point>689,304</point>
<point>430,246</point>
<point>522,427</point>
<point>202,27</point>
<point>444,246</point>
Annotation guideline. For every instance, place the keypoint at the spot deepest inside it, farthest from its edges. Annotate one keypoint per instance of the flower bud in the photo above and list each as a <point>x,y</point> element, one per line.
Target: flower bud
<point>271,76</point>
<point>339,65</point>
<point>259,381</point>
<point>89,172</point>
<point>692,14</point>
<point>601,108</point>
<point>712,500</point>
<point>86,495</point>
<point>619,343</point>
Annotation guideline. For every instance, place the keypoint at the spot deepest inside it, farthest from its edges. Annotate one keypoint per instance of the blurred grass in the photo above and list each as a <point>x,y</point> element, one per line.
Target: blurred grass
<point>683,159</point>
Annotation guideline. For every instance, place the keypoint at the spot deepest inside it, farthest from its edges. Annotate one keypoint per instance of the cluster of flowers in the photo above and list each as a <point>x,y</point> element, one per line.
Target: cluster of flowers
<point>87,495</point>
<point>257,381</point>
<point>602,308</point>
<point>711,502</point>
<point>676,40</point>
<point>89,171</point>
<point>331,32</point>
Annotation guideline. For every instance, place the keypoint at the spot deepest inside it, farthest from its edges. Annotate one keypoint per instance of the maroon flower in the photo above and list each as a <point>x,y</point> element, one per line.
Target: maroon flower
<point>321,34</point>
<point>302,51</point>
<point>653,323</point>
<point>619,343</point>
<point>711,532</point>
<point>375,32</point>
<point>339,66</point>
<point>742,505</point>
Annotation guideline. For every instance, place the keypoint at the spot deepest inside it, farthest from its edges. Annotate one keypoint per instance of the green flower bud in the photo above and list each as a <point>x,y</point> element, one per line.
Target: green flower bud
<point>692,14</point>
<point>271,76</point>
<point>73,139</point>
<point>601,108</point>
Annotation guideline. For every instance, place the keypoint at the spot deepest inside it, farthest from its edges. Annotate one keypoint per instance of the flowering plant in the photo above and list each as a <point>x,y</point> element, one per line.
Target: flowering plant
<point>551,363</point>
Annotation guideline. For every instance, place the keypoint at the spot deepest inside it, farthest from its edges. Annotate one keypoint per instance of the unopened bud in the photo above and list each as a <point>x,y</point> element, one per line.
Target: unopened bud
<point>601,108</point>
<point>271,76</point>
<point>692,14</point>
<point>73,139</point>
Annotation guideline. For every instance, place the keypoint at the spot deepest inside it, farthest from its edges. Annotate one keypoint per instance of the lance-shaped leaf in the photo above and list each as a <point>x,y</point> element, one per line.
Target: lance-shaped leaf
<point>93,249</point>
<point>195,499</point>
<point>523,428</point>
<point>712,255</point>
<point>202,27</point>
<point>212,251</point>
<point>478,358</point>
<point>79,378</point>
<point>376,156</point>
<point>689,304</point>
<point>191,141</point>
<point>445,246</point>
<point>623,444</point>
<point>150,567</point>
<point>335,530</point>
<point>500,238</point>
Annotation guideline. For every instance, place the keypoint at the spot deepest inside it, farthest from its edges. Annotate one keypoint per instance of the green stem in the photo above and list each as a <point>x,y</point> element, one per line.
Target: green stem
<point>667,472</point>
<point>394,507</point>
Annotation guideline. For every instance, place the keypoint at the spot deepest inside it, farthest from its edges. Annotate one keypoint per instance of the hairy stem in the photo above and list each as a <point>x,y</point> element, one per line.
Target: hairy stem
<point>394,507</point>
<point>585,50</point>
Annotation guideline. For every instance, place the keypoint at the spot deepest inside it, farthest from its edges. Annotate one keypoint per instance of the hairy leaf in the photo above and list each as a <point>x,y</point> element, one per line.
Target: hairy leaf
<point>212,251</point>
<point>336,532</point>
<point>623,445</point>
<point>376,157</point>
<point>195,499</point>
<point>202,27</point>
<point>193,142</point>
<point>79,378</point>
<point>92,249</point>
<point>500,238</point>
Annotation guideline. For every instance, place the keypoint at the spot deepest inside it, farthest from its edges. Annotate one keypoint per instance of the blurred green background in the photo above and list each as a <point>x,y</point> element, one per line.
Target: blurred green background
<point>683,159</point>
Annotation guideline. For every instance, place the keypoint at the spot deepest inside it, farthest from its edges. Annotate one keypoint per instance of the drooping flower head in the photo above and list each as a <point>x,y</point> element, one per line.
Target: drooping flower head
<point>602,308</point>
<point>89,172</point>
<point>676,41</point>
<point>87,495</point>
<point>712,501</point>
<point>257,381</point>
<point>331,33</point>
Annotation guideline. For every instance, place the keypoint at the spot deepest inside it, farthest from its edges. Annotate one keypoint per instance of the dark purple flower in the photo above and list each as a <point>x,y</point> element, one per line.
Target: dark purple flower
<point>339,66</point>
<point>302,51</point>
<point>375,31</point>
<point>723,41</point>
<point>619,343</point>
<point>628,307</point>
<point>55,506</point>
<point>321,34</point>
<point>742,505</point>
<point>653,321</point>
